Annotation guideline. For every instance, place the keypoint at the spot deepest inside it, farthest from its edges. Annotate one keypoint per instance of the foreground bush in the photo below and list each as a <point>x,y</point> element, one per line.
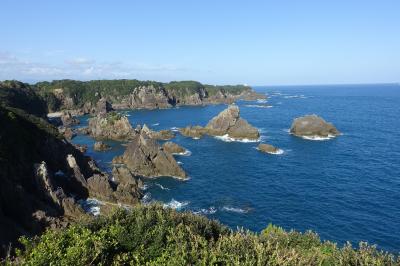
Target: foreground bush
<point>152,235</point>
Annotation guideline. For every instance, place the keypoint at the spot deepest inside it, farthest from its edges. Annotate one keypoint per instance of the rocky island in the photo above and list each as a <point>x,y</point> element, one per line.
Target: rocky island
<point>145,157</point>
<point>227,123</point>
<point>111,126</point>
<point>313,127</point>
<point>268,148</point>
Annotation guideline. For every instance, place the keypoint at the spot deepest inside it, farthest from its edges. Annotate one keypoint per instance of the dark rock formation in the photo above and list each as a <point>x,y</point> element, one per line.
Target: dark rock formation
<point>101,146</point>
<point>22,96</point>
<point>82,131</point>
<point>112,126</point>
<point>145,157</point>
<point>313,126</point>
<point>173,148</point>
<point>68,120</point>
<point>67,132</point>
<point>81,147</point>
<point>267,148</point>
<point>228,122</point>
<point>39,172</point>
<point>103,107</point>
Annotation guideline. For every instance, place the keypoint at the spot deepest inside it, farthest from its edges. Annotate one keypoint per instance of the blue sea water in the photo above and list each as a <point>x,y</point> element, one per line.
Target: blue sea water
<point>345,189</point>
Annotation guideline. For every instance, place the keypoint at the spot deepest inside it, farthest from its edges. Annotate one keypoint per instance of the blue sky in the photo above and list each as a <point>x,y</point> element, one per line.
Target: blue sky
<point>217,42</point>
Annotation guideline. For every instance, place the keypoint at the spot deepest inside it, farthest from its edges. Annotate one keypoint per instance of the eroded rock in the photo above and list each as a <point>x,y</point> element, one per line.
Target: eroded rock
<point>173,148</point>
<point>313,127</point>
<point>145,157</point>
<point>101,146</point>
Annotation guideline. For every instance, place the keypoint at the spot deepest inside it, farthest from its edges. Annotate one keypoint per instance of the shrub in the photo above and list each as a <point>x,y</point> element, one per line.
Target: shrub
<point>152,235</point>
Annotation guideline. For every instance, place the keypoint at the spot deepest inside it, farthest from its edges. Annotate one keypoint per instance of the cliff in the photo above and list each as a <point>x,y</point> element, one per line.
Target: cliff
<point>134,94</point>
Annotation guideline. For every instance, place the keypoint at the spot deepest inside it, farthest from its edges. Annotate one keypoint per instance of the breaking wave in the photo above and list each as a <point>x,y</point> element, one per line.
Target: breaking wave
<point>234,209</point>
<point>161,186</point>
<point>185,153</point>
<point>176,205</point>
<point>91,205</point>
<point>258,106</point>
<point>208,211</point>
<point>226,138</point>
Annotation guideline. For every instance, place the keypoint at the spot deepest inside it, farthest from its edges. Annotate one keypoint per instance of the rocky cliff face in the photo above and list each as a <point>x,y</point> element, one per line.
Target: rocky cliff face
<point>36,176</point>
<point>228,122</point>
<point>145,157</point>
<point>313,126</point>
<point>42,176</point>
<point>134,94</point>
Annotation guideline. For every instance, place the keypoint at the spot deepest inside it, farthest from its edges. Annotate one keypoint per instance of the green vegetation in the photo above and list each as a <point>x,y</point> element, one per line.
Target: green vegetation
<point>22,96</point>
<point>152,235</point>
<point>82,92</point>
<point>112,117</point>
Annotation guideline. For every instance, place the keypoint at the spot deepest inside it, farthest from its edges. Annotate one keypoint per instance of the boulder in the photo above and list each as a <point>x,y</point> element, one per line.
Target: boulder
<point>68,133</point>
<point>101,146</point>
<point>112,126</point>
<point>81,147</point>
<point>128,186</point>
<point>145,157</point>
<point>313,126</point>
<point>100,187</point>
<point>173,148</point>
<point>229,122</point>
<point>195,132</point>
<point>267,148</point>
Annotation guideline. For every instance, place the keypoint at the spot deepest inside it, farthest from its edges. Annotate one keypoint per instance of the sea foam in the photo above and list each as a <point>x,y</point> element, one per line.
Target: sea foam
<point>208,211</point>
<point>234,209</point>
<point>91,205</point>
<point>185,153</point>
<point>176,205</point>
<point>161,186</point>
<point>227,138</point>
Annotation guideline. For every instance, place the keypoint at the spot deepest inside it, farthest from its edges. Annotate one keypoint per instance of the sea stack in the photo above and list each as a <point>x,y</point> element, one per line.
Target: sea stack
<point>313,127</point>
<point>111,126</point>
<point>267,148</point>
<point>226,123</point>
<point>145,157</point>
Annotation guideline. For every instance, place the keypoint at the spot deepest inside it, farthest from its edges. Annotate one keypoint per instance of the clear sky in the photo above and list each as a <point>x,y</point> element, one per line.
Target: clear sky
<point>217,42</point>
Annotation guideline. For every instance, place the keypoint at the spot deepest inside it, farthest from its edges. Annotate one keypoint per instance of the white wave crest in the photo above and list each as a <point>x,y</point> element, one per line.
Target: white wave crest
<point>227,138</point>
<point>174,129</point>
<point>91,205</point>
<point>258,106</point>
<point>161,186</point>
<point>174,204</point>
<point>146,198</point>
<point>179,162</point>
<point>155,124</point>
<point>318,138</point>
<point>233,209</point>
<point>277,152</point>
<point>208,211</point>
<point>261,100</point>
<point>185,153</point>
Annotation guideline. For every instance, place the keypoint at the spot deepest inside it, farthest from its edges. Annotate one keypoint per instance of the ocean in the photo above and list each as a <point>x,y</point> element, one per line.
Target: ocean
<point>345,189</point>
